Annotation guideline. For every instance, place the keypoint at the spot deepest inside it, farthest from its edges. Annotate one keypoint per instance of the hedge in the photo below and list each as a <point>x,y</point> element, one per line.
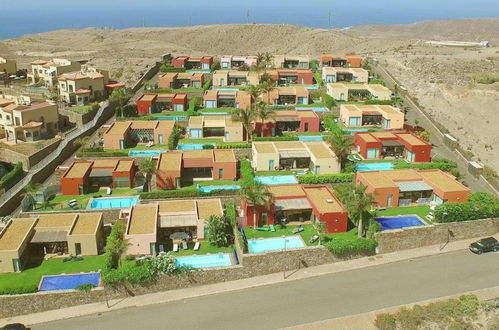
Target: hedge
<point>325,178</point>
<point>247,175</point>
<point>479,206</point>
<point>12,175</point>
<point>28,288</point>
<point>179,193</point>
<point>345,246</point>
<point>287,137</point>
<point>440,164</point>
<point>115,153</point>
<point>233,145</point>
<point>207,85</point>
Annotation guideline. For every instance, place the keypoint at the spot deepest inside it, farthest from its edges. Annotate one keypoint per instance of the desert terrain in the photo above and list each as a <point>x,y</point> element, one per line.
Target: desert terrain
<point>441,78</point>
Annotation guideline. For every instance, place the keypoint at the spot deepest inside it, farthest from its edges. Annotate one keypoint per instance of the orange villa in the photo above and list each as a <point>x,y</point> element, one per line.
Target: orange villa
<point>226,99</point>
<point>287,96</point>
<point>181,80</point>
<point>329,60</point>
<point>127,134</point>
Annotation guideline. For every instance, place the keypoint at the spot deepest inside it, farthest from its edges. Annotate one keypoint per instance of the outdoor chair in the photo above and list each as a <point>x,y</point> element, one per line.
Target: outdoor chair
<point>314,238</point>
<point>175,247</point>
<point>197,246</point>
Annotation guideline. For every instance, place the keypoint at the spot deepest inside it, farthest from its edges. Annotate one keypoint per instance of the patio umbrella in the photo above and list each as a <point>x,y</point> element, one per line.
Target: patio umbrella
<point>179,236</point>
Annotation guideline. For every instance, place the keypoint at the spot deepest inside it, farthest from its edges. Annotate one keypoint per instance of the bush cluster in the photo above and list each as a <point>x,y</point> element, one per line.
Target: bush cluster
<point>174,137</point>
<point>168,67</point>
<point>23,289</point>
<point>207,85</point>
<point>348,246</point>
<point>325,178</point>
<point>233,145</point>
<point>247,175</point>
<point>437,163</point>
<point>181,193</point>
<point>479,206</point>
<point>13,174</point>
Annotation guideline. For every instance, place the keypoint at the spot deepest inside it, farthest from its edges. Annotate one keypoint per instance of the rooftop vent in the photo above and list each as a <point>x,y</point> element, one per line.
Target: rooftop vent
<point>329,200</point>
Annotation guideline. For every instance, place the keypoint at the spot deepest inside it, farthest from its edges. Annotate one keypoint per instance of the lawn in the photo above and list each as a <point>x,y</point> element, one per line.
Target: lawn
<point>421,211</point>
<point>210,183</point>
<point>304,133</point>
<point>59,202</point>
<point>286,231</point>
<point>31,276</point>
<point>80,109</point>
<point>202,140</point>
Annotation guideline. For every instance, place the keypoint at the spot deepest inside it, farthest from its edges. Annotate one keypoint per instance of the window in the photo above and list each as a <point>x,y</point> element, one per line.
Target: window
<point>220,173</point>
<point>306,127</point>
<point>78,249</point>
<point>70,88</point>
<point>354,121</point>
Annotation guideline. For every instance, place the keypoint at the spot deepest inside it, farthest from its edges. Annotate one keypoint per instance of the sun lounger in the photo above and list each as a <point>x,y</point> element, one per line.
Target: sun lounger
<point>314,238</point>
<point>298,229</point>
<point>272,228</point>
<point>197,246</point>
<point>429,217</point>
<point>150,144</point>
<point>109,190</point>
<point>175,247</point>
<point>184,245</point>
<point>262,228</point>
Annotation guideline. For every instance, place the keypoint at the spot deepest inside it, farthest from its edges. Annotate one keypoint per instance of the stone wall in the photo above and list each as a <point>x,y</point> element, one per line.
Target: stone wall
<point>11,156</point>
<point>440,233</point>
<point>78,118</point>
<point>242,153</point>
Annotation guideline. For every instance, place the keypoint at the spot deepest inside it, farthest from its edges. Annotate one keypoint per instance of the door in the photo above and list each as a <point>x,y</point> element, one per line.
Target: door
<point>152,249</point>
<point>122,144</point>
<point>317,169</point>
<point>220,173</point>
<point>302,81</point>
<point>271,165</point>
<point>160,138</point>
<point>264,219</point>
<point>78,249</point>
<point>386,123</point>
<point>306,127</point>
<point>342,96</point>
<point>16,265</point>
<point>389,201</point>
<point>80,189</point>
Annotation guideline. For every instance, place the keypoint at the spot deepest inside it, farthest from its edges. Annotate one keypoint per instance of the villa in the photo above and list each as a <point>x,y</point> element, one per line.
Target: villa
<point>152,227</point>
<point>296,204</point>
<point>230,62</point>
<point>83,86</point>
<point>358,92</point>
<point>228,78</point>
<point>84,177</point>
<point>153,103</point>
<point>290,155</point>
<point>287,96</point>
<point>333,74</point>
<point>226,99</point>
<point>45,73</point>
<point>127,134</point>
<point>181,80</point>
<point>177,167</point>
<point>404,145</point>
<point>292,61</point>
<point>412,187</point>
<point>289,121</point>
<point>29,238</point>
<point>190,63</point>
<point>27,120</point>
<point>215,127</point>
<point>351,61</point>
<point>362,115</point>
<point>7,68</point>
<point>284,77</point>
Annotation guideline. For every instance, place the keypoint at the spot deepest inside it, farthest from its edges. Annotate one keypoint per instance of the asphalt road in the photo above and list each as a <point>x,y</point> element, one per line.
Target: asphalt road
<point>308,300</point>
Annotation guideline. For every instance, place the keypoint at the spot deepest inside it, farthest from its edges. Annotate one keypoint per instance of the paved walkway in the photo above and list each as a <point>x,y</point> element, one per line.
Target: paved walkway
<point>181,294</point>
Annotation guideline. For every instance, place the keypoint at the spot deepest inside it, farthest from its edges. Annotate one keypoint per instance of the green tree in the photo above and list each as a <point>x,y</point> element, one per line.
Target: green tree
<point>120,96</point>
<point>246,117</point>
<point>30,192</point>
<point>148,168</point>
<point>220,230</point>
<point>267,87</point>
<point>256,195</point>
<point>264,113</point>
<point>265,78</point>
<point>115,245</point>
<point>254,92</point>
<point>357,202</point>
<point>340,144</point>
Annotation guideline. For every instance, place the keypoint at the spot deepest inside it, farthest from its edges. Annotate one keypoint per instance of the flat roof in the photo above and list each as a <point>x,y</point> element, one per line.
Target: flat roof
<point>143,219</point>
<point>412,140</point>
<point>78,170</point>
<point>320,150</point>
<point>383,135</point>
<point>170,161</point>
<point>124,165</point>
<point>287,191</point>
<point>209,207</point>
<point>376,179</point>
<point>119,127</point>
<point>402,175</point>
<point>14,234</point>
<point>86,223</point>
<point>367,137</point>
<point>193,154</point>
<point>55,220</point>
<point>148,97</point>
<point>224,155</point>
<point>370,107</point>
<point>106,163</point>
<point>442,181</point>
<point>265,147</point>
<point>175,206</point>
<point>323,200</point>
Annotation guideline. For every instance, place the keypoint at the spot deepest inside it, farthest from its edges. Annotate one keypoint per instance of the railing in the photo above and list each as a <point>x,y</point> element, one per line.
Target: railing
<point>423,200</point>
<point>17,188</point>
<point>405,202</point>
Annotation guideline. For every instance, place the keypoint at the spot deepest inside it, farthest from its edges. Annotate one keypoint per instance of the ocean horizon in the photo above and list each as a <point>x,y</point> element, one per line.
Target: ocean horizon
<point>37,16</point>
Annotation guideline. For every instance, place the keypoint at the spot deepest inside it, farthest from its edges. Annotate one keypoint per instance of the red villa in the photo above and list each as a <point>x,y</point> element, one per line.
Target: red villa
<point>153,103</point>
<point>188,63</point>
<point>406,145</point>
<point>289,121</point>
<point>300,205</point>
<point>283,77</point>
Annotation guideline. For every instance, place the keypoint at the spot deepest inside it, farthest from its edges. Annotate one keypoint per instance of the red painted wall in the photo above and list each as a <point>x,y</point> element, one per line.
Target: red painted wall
<point>143,107</point>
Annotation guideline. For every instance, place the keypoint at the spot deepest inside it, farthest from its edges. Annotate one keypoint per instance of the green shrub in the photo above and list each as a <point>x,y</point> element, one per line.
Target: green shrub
<point>184,193</point>
<point>385,322</point>
<point>377,81</point>
<point>247,174</point>
<point>479,206</point>
<point>485,78</point>
<point>328,100</point>
<point>22,289</point>
<point>128,273</point>
<point>325,178</point>
<point>220,230</point>
<point>115,153</point>
<point>318,78</point>
<point>215,66</point>
<point>437,163</point>
<point>380,102</point>
<point>373,227</point>
<point>233,145</point>
<point>168,67</point>
<point>342,246</point>
<point>286,137</point>
<point>87,287</point>
<point>208,146</point>
<point>207,85</point>
<point>13,175</point>
<point>174,137</point>
<point>195,104</point>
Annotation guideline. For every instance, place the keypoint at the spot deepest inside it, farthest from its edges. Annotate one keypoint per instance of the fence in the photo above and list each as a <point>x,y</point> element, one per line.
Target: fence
<point>40,169</point>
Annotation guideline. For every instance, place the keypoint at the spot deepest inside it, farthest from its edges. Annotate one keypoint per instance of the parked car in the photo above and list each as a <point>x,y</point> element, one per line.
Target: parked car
<point>14,326</point>
<point>485,245</point>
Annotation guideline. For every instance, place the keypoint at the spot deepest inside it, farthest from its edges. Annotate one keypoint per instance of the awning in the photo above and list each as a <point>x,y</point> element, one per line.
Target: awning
<point>214,123</point>
<point>292,204</point>
<point>294,154</point>
<point>286,119</point>
<point>50,236</point>
<point>101,172</point>
<point>408,186</point>
<point>169,221</point>
<point>391,143</point>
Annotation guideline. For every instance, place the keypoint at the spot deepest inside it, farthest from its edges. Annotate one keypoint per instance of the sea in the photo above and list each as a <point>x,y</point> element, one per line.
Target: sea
<point>35,16</point>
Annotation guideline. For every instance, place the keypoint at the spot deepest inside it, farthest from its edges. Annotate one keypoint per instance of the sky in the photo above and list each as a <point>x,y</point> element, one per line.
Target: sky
<point>35,16</point>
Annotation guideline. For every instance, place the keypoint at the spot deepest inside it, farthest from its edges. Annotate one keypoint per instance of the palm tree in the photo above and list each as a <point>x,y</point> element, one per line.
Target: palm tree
<point>341,145</point>
<point>30,192</point>
<point>256,195</point>
<point>120,96</point>
<point>148,168</point>
<point>268,58</point>
<point>254,92</point>
<point>264,113</point>
<point>267,87</point>
<point>246,117</point>
<point>357,203</point>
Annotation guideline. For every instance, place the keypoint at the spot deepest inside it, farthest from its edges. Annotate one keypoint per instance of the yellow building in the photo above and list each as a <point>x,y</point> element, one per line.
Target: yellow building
<point>215,126</point>
<point>45,73</point>
<point>385,116</point>
<point>83,86</point>
<point>227,78</point>
<point>358,92</point>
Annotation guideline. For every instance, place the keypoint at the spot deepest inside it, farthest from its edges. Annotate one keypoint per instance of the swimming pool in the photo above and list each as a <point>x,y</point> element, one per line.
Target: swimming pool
<point>177,118</point>
<point>205,261</point>
<point>352,131</point>
<point>208,189</point>
<point>193,146</point>
<point>382,166</point>
<point>198,71</point>
<point>401,221</point>
<point>145,153</point>
<point>67,282</point>
<point>277,179</point>
<point>316,109</point>
<point>213,113</point>
<point>227,89</point>
<point>112,202</point>
<point>310,137</point>
<point>275,244</point>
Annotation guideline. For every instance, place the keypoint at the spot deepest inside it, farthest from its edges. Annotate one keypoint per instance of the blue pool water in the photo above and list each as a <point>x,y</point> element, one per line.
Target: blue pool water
<point>352,131</point>
<point>312,87</point>
<point>278,179</point>
<point>316,109</point>
<point>213,113</point>
<point>177,118</point>
<point>145,153</point>
<point>275,244</point>
<point>68,282</point>
<point>311,137</point>
<point>198,71</point>
<point>112,202</point>
<point>361,167</point>
<point>192,146</point>
<point>208,189</point>
<point>205,261</point>
<point>400,221</point>
<point>227,89</point>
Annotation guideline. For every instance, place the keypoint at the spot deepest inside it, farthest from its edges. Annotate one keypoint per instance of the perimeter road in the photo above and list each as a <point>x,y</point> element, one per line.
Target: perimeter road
<point>308,300</point>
